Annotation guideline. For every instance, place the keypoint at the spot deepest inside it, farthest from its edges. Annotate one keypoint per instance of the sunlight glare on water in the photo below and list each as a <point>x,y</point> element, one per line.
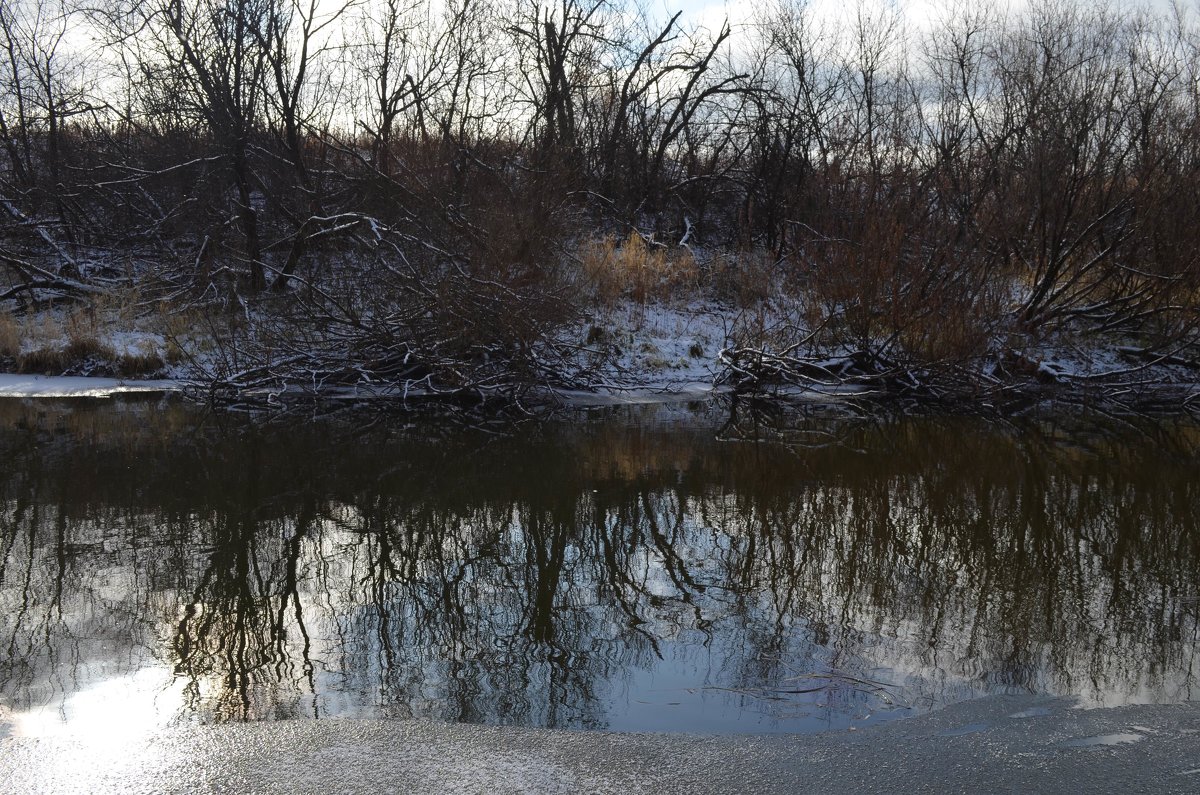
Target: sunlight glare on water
<point>107,715</point>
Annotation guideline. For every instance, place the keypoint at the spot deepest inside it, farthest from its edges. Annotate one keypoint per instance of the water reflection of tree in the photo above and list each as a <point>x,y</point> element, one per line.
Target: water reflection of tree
<point>520,581</point>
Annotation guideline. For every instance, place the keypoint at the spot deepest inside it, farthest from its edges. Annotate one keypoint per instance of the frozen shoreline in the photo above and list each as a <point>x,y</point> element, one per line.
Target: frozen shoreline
<point>649,392</point>
<point>994,744</point>
<point>50,386</point>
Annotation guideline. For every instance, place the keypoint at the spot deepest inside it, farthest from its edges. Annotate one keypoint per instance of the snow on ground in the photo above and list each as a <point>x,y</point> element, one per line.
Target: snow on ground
<point>1106,360</point>
<point>657,347</point>
<point>57,326</point>
<point>643,353</point>
<point>135,342</point>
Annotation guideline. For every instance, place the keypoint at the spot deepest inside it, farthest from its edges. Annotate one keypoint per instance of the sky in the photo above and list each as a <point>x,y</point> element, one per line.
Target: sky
<point>921,13</point>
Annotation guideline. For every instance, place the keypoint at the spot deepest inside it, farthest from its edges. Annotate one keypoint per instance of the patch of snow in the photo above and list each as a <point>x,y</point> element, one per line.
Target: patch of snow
<point>1102,359</point>
<point>134,342</point>
<point>658,347</point>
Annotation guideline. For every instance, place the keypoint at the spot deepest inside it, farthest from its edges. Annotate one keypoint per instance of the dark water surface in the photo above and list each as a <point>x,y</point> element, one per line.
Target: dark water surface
<point>633,570</point>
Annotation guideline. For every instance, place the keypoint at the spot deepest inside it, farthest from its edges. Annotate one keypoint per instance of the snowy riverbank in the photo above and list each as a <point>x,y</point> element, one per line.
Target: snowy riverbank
<point>629,352</point>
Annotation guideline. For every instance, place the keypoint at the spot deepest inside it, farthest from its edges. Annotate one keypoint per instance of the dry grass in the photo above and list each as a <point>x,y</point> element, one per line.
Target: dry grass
<point>42,330</point>
<point>58,342</point>
<point>746,278</point>
<point>77,355</point>
<point>139,363</point>
<point>10,337</point>
<point>103,313</point>
<point>43,361</point>
<point>90,356</point>
<point>642,272</point>
<point>637,270</point>
<point>184,333</point>
<point>83,332</point>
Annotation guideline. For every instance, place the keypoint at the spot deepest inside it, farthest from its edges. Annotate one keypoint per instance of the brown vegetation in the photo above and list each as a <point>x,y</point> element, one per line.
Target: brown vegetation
<point>393,194</point>
<point>10,337</point>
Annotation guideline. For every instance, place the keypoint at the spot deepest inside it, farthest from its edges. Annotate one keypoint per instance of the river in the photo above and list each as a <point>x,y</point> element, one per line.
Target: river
<point>644,568</point>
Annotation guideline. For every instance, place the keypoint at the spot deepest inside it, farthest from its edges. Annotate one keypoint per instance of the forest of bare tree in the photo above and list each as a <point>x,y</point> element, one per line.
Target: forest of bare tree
<point>447,197</point>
